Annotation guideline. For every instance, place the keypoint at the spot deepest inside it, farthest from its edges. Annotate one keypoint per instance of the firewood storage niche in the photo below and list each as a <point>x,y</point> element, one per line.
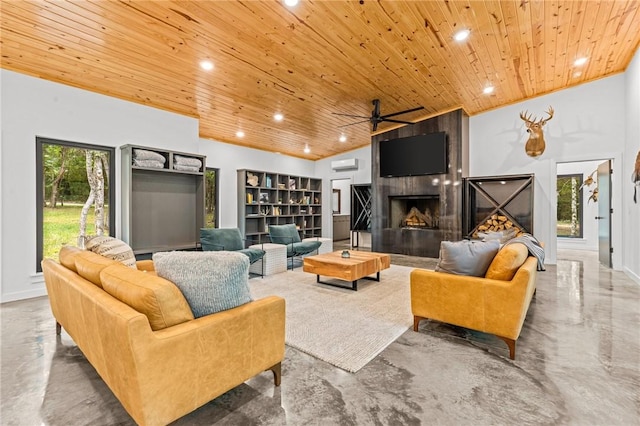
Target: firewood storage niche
<point>497,203</point>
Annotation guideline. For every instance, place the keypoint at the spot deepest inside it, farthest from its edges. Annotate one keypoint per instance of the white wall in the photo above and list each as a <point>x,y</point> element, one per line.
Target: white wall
<point>32,107</point>
<point>589,240</point>
<point>631,253</point>
<point>359,176</point>
<point>589,124</point>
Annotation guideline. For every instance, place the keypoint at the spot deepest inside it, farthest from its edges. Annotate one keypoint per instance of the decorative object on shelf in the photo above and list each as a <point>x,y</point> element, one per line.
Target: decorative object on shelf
<point>282,186</point>
<point>249,198</point>
<point>345,254</point>
<point>535,145</point>
<point>292,184</point>
<point>635,177</point>
<point>264,197</point>
<point>252,179</point>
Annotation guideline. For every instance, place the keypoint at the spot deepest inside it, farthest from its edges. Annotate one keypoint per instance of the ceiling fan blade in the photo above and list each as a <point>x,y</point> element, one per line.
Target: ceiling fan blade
<point>402,112</point>
<point>375,126</point>
<point>350,115</point>
<point>357,122</point>
<point>396,121</point>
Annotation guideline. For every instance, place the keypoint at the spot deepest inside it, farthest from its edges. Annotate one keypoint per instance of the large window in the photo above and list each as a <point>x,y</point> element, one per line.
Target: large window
<point>569,206</point>
<point>75,193</point>
<point>211,198</point>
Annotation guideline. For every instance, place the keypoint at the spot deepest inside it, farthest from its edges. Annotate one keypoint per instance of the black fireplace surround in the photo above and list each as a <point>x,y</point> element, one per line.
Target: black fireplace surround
<point>440,194</point>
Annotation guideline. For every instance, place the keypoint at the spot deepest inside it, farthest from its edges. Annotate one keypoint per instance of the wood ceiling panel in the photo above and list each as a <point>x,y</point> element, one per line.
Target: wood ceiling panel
<point>316,59</point>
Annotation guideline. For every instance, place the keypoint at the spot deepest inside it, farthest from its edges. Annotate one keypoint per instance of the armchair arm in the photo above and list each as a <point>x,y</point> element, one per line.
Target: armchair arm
<point>217,351</point>
<point>145,265</point>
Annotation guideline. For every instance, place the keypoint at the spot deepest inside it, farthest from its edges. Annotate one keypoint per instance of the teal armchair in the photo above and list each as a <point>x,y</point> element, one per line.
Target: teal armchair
<point>288,235</point>
<point>229,239</point>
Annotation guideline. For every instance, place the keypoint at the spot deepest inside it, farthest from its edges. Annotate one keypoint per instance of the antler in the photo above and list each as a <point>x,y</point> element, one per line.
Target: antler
<point>523,116</point>
<point>550,112</point>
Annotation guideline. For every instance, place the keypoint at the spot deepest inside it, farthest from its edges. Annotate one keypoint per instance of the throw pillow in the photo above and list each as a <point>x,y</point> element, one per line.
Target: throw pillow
<point>211,281</point>
<point>112,248</point>
<point>466,257</point>
<point>506,263</point>
<point>157,298</point>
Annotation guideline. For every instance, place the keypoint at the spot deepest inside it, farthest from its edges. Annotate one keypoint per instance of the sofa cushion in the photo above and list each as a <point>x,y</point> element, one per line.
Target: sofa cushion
<point>89,265</point>
<point>112,248</point>
<point>466,257</point>
<point>211,281</point>
<point>160,300</point>
<point>506,263</point>
<point>67,257</point>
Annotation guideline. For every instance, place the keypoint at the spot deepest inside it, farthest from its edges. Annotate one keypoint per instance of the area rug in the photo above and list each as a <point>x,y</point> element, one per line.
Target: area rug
<point>343,327</point>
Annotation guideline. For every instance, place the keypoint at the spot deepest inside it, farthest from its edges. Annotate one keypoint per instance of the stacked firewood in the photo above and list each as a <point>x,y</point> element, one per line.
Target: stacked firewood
<point>497,223</point>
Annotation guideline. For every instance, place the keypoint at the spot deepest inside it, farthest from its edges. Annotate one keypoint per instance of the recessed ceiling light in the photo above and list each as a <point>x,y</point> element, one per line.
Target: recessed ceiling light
<point>461,35</point>
<point>577,73</point>
<point>291,3</point>
<point>488,90</point>
<point>343,138</point>
<point>206,65</point>
<point>580,61</point>
<point>306,149</point>
<point>240,134</point>
<point>278,117</point>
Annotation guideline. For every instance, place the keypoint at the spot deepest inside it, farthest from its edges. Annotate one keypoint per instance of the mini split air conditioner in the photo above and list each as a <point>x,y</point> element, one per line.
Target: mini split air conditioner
<point>346,164</point>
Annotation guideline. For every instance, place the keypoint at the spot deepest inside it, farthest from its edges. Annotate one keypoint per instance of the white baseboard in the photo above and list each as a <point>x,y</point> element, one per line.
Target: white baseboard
<point>21,295</point>
<point>635,277</point>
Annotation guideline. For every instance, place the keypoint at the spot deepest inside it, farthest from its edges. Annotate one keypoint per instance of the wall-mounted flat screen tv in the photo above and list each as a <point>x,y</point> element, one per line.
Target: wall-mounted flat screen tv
<point>414,155</point>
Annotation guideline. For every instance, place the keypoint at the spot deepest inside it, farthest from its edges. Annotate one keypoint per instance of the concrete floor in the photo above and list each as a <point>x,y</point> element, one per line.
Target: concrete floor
<point>577,362</point>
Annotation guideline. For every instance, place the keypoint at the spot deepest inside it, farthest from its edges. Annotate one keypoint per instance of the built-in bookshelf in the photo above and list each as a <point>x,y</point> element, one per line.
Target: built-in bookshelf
<point>266,198</point>
<point>162,199</point>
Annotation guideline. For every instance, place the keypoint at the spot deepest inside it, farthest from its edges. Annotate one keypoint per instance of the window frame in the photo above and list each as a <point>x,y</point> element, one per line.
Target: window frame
<point>580,177</point>
<point>40,142</point>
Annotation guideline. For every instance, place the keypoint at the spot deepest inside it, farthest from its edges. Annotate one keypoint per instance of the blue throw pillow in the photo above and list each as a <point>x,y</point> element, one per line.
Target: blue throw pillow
<point>467,257</point>
<point>211,281</point>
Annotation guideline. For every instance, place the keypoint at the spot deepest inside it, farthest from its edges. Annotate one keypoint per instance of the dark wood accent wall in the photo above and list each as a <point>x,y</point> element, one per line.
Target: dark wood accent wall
<point>421,242</point>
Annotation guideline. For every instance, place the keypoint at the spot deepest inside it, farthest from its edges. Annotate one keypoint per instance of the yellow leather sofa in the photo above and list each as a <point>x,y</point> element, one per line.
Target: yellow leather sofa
<point>496,303</point>
<point>158,360</point>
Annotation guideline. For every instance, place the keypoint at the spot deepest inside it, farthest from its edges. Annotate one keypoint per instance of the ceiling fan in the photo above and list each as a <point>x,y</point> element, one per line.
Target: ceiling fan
<point>377,118</point>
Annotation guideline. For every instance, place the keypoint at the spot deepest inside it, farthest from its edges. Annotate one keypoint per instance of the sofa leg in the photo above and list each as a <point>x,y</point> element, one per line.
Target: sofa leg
<point>416,322</point>
<point>277,373</point>
<point>512,346</point>
<point>58,328</point>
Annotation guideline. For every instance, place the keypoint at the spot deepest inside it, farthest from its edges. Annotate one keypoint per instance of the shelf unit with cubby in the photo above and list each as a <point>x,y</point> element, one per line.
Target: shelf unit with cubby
<point>162,199</point>
<point>267,198</point>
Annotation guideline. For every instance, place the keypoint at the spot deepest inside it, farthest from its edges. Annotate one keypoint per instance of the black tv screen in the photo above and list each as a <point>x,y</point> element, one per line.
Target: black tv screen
<point>414,155</point>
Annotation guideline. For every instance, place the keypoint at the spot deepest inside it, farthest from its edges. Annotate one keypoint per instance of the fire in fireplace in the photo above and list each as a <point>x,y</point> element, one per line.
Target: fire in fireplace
<point>416,211</point>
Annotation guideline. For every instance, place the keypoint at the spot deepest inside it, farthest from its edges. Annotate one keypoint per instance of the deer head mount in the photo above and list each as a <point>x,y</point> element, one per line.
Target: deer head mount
<point>535,145</point>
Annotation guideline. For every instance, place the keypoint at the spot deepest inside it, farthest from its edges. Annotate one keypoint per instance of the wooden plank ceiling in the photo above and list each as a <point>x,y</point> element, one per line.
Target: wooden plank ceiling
<point>317,58</point>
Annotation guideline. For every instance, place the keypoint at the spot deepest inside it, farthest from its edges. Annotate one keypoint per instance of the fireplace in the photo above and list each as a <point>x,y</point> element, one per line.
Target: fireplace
<point>414,211</point>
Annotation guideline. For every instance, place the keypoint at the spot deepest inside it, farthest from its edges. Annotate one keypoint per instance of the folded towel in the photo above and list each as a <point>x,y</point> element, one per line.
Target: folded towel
<point>187,161</point>
<point>149,163</point>
<point>184,168</point>
<point>143,154</point>
<point>533,245</point>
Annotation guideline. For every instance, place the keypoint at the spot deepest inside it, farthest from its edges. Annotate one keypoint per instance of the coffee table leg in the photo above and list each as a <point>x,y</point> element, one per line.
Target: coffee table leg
<point>354,284</point>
